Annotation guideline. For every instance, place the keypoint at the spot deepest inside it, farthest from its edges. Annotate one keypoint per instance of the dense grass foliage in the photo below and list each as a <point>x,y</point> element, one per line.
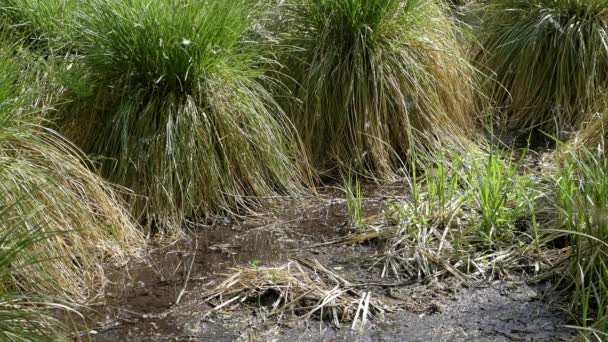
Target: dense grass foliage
<point>38,19</point>
<point>480,216</point>
<point>549,57</point>
<point>375,81</point>
<point>45,184</point>
<point>465,217</point>
<point>582,203</point>
<point>23,314</point>
<point>177,110</point>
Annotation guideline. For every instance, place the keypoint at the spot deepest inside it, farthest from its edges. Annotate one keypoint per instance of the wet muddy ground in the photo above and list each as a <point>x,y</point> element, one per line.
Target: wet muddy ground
<point>162,298</point>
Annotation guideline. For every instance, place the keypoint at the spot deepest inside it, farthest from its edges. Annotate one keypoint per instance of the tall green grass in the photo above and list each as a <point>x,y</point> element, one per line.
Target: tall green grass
<point>40,20</point>
<point>44,183</point>
<point>582,202</point>
<point>24,315</point>
<point>354,201</point>
<point>549,58</point>
<point>375,82</point>
<point>582,210</point>
<point>466,217</point>
<point>499,193</point>
<point>178,108</point>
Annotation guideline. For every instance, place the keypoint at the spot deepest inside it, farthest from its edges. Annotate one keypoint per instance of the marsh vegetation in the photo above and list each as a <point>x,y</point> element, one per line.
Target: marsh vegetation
<point>129,127</point>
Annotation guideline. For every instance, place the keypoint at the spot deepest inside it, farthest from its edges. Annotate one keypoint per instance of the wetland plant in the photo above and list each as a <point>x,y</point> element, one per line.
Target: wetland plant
<point>354,201</point>
<point>178,108</point>
<point>46,186</point>
<point>24,315</point>
<point>375,82</point>
<point>38,19</point>
<point>582,203</point>
<point>464,219</point>
<point>549,59</point>
<point>497,191</point>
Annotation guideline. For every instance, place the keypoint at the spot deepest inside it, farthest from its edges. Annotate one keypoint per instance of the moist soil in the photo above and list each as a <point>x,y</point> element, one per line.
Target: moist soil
<point>162,297</point>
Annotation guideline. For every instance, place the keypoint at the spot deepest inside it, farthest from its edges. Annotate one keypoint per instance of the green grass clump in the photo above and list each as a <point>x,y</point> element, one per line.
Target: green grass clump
<point>473,215</point>
<point>177,109</point>
<point>38,19</point>
<point>45,184</point>
<point>582,203</point>
<point>549,57</point>
<point>354,201</point>
<point>24,316</point>
<point>375,82</point>
<point>499,194</point>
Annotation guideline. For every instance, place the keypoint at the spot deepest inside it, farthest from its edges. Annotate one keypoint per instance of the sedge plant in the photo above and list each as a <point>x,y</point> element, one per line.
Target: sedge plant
<point>582,210</point>
<point>375,80</point>
<point>465,218</point>
<point>46,184</point>
<point>425,234</point>
<point>38,20</point>
<point>354,201</point>
<point>178,108</point>
<point>492,181</point>
<point>548,58</point>
<point>24,315</point>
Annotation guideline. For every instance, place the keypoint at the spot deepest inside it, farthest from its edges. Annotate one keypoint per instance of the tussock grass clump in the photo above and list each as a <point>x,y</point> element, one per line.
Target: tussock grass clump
<point>376,82</point>
<point>38,19</point>
<point>300,287</point>
<point>45,184</point>
<point>177,110</point>
<point>549,57</point>
<point>24,316</point>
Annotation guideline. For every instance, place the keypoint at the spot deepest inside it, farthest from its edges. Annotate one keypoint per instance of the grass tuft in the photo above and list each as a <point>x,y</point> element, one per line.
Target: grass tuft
<point>177,108</point>
<point>24,316</point>
<point>463,220</point>
<point>44,183</point>
<point>38,20</point>
<point>582,211</point>
<point>549,58</point>
<point>354,201</point>
<point>375,82</point>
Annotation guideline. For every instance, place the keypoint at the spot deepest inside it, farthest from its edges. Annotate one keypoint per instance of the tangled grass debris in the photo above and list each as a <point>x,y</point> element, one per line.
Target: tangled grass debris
<point>301,288</point>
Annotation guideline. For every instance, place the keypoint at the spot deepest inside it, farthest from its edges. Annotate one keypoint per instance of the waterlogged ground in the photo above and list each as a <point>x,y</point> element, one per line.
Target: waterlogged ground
<point>162,298</point>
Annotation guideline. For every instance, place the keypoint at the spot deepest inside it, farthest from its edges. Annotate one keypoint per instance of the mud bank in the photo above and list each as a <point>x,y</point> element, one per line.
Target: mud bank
<point>163,297</point>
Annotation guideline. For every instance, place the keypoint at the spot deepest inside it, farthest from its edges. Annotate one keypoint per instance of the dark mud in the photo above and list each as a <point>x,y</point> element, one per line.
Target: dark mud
<point>162,297</point>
